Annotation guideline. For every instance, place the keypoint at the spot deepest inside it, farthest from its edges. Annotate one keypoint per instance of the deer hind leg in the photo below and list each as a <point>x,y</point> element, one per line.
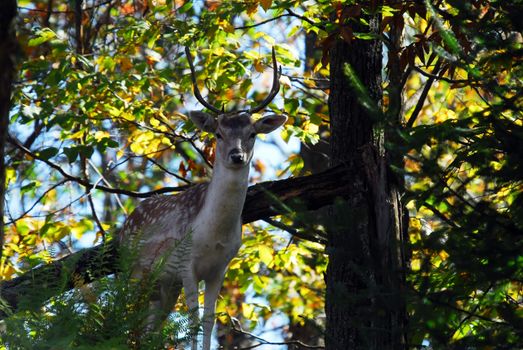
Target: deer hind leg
<point>162,303</point>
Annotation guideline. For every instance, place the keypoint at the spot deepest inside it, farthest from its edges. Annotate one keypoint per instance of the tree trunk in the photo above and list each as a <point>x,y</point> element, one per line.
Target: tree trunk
<point>8,50</point>
<point>364,306</point>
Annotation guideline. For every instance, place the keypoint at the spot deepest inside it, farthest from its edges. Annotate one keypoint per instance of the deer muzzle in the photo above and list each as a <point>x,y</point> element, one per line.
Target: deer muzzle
<point>237,156</point>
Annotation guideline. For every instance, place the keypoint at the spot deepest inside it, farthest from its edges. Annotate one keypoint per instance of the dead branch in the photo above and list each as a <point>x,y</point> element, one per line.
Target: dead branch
<point>263,200</point>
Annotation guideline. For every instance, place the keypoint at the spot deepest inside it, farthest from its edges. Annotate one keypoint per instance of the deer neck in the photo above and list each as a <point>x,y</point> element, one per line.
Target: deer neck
<point>226,195</point>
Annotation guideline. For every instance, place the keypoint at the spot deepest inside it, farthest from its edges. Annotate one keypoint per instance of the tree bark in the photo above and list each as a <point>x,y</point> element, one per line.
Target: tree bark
<point>263,200</point>
<point>8,50</point>
<point>364,305</point>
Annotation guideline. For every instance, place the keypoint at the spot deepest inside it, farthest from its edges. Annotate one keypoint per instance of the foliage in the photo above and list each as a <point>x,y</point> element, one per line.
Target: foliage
<point>464,177</point>
<point>99,119</point>
<point>111,313</point>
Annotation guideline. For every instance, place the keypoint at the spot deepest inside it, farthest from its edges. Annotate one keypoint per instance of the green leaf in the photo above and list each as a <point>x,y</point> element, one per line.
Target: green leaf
<point>291,106</point>
<point>48,153</point>
<point>186,7</point>
<point>28,187</point>
<point>43,35</point>
<point>71,153</point>
<point>86,151</point>
<point>361,91</point>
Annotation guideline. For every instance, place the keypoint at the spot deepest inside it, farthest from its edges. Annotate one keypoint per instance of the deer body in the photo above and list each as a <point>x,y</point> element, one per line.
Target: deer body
<point>198,232</point>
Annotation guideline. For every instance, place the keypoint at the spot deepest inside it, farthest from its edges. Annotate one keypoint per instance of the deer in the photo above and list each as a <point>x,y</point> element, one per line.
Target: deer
<point>207,216</point>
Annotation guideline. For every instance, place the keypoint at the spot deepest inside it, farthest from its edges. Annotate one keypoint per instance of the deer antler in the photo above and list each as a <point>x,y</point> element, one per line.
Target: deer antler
<point>275,86</point>
<point>196,91</point>
<point>274,90</point>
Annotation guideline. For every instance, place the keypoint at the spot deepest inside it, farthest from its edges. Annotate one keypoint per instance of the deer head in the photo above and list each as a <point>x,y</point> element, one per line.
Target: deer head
<point>236,132</point>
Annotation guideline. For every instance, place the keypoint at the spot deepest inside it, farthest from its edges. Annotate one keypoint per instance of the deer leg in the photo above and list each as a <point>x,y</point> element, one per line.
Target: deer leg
<point>162,303</point>
<point>212,290</point>
<point>190,286</point>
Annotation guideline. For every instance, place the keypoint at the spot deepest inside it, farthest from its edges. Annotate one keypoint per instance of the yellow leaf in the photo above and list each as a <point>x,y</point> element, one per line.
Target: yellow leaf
<point>120,154</point>
<point>254,268</point>
<point>10,175</point>
<point>226,26</point>
<point>101,134</point>
<point>258,66</point>
<point>313,128</point>
<point>415,264</point>
<point>266,254</point>
<point>7,272</point>
<point>248,311</point>
<point>154,122</point>
<point>113,111</point>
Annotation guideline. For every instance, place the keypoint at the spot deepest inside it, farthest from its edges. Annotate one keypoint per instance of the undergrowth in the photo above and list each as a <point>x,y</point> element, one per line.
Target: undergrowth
<point>108,314</point>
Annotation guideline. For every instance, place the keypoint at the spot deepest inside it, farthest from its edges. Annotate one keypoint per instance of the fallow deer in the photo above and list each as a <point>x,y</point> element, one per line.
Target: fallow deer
<point>207,215</point>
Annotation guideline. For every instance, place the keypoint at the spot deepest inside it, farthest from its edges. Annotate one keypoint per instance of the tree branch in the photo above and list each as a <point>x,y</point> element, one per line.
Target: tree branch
<point>263,200</point>
<point>423,96</point>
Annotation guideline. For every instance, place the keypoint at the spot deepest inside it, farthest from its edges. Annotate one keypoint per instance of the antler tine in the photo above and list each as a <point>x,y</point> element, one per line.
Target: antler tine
<point>275,85</point>
<point>196,91</point>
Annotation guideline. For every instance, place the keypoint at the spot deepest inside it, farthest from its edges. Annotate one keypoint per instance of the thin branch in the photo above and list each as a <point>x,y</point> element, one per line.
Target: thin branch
<point>95,186</point>
<point>305,19</point>
<point>164,169</point>
<point>296,233</point>
<point>423,96</point>
<point>474,310</point>
<point>458,309</point>
<point>95,215</point>
<point>440,215</point>
<point>263,341</point>
<point>88,193</point>
<point>102,177</point>
<point>439,76</point>
<point>263,22</point>
<point>12,221</point>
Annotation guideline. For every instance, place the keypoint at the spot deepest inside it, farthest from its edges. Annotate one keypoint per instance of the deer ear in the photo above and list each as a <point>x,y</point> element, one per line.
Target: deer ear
<point>269,123</point>
<point>203,121</point>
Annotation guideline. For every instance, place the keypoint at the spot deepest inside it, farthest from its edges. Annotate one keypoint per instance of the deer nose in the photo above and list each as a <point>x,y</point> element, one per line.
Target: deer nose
<point>237,156</point>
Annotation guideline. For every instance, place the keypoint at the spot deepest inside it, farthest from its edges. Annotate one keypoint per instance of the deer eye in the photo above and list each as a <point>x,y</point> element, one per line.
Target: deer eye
<point>218,136</point>
<point>253,135</point>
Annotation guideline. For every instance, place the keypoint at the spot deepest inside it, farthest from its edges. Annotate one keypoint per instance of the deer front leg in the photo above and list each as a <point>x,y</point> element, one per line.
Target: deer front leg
<point>212,290</point>
<point>190,285</point>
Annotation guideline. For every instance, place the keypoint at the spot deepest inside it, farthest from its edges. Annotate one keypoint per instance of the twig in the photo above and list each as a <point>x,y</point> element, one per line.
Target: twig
<point>120,204</point>
<point>423,96</point>
<point>439,77</point>
<point>12,221</point>
<point>263,22</point>
<point>305,19</point>
<point>164,169</point>
<point>314,238</point>
<point>263,341</point>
